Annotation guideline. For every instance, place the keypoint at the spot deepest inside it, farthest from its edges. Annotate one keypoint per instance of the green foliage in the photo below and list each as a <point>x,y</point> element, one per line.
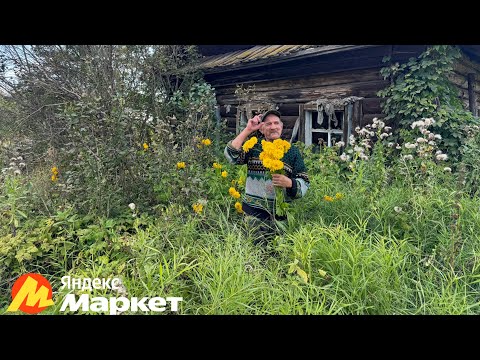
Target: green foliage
<point>383,229</point>
<point>420,88</point>
<point>469,168</point>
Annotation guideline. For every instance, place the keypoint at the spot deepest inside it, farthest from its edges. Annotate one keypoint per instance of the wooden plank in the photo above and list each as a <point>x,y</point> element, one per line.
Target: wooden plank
<point>472,100</point>
<point>357,115</point>
<point>408,49</point>
<point>288,70</point>
<point>367,90</point>
<point>344,77</point>
<point>287,134</point>
<point>231,122</point>
<point>464,68</point>
<point>465,61</point>
<point>295,129</point>
<point>372,105</point>
<point>288,109</point>
<point>289,121</point>
<point>301,130</point>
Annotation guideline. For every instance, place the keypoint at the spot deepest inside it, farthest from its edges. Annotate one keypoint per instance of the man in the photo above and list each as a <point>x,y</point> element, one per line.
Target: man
<point>258,200</point>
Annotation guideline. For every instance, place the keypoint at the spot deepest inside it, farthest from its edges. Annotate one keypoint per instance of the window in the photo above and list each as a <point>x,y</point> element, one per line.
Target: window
<point>320,129</point>
<point>325,128</point>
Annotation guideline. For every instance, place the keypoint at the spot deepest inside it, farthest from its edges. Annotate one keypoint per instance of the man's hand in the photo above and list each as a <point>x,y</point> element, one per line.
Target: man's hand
<point>281,180</point>
<point>254,124</point>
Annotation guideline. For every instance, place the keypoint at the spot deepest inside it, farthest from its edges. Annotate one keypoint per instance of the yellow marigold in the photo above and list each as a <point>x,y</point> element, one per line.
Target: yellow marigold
<point>282,144</point>
<point>328,198</point>
<point>145,146</point>
<point>224,174</point>
<point>233,192</point>
<point>54,178</point>
<point>217,165</point>
<point>207,142</point>
<point>181,165</point>
<point>198,208</point>
<point>272,164</point>
<point>238,207</point>
<point>249,144</point>
<point>338,196</point>
<point>55,170</point>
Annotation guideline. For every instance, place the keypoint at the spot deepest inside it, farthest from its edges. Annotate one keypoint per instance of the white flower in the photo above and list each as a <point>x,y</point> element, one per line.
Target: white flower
<point>421,140</point>
<point>387,128</point>
<point>397,209</point>
<point>131,206</point>
<point>17,172</point>
<point>408,157</point>
<point>442,157</point>
<point>429,121</point>
<point>384,135</point>
<point>438,152</point>
<point>438,136</point>
<point>418,123</point>
<point>410,146</point>
<point>340,144</point>
<point>22,164</point>
<point>390,144</point>
<point>447,169</point>
<point>344,157</point>
<point>20,158</point>
<point>12,164</point>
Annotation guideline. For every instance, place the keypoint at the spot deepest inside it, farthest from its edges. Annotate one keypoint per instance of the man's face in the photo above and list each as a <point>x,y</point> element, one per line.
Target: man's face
<point>272,127</point>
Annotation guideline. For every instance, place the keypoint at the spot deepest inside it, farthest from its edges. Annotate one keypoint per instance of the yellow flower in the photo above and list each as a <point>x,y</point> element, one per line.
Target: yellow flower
<point>145,146</point>
<point>198,208</point>
<point>249,144</point>
<point>55,170</point>
<point>54,178</point>
<point>207,142</point>
<point>181,165</point>
<point>338,196</point>
<point>224,174</point>
<point>233,192</point>
<point>238,207</point>
<point>217,166</point>
<point>328,198</point>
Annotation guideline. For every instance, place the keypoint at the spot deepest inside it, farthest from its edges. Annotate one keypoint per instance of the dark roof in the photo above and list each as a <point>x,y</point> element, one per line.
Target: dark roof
<point>261,54</point>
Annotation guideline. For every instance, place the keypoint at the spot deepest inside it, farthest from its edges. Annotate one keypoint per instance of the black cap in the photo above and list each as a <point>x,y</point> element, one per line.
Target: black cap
<point>274,112</point>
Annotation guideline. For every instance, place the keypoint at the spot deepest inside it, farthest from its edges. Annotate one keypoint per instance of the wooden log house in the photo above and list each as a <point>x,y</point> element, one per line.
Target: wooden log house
<point>322,91</point>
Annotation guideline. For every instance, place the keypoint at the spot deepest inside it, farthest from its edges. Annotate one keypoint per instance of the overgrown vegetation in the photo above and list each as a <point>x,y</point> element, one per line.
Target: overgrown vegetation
<point>420,88</point>
<point>132,185</point>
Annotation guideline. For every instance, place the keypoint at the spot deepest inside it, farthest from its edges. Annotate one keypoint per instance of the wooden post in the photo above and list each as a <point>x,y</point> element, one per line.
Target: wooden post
<point>301,130</point>
<point>472,99</point>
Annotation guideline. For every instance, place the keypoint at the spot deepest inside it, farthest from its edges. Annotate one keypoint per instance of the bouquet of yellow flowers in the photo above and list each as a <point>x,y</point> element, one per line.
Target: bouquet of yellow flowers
<point>271,157</point>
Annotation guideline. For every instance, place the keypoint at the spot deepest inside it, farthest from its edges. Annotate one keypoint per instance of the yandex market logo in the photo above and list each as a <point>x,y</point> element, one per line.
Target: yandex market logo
<point>31,293</point>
